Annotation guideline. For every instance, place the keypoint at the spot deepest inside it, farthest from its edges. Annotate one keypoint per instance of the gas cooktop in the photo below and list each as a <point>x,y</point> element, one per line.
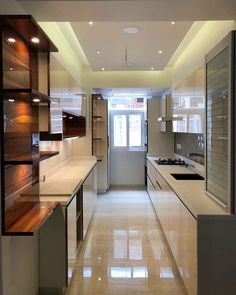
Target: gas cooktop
<point>170,161</point>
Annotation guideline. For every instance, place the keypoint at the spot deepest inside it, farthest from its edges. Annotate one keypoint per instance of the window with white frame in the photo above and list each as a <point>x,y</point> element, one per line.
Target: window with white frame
<point>127,128</point>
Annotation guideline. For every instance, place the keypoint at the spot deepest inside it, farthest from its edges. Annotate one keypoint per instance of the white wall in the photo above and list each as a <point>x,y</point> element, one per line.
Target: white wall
<point>127,167</point>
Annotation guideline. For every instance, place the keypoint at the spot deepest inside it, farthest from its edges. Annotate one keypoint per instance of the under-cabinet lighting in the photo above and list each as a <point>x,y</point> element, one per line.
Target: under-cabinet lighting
<point>71,118</point>
<point>11,100</point>
<point>11,40</point>
<point>36,100</point>
<point>64,116</point>
<point>35,40</point>
<point>99,97</point>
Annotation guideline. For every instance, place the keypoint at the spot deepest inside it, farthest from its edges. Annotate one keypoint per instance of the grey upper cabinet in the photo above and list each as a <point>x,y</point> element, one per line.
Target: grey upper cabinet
<point>188,104</point>
<point>220,123</point>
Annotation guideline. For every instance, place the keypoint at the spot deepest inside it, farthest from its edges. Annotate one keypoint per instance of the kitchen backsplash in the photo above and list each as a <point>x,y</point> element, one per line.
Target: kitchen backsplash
<point>190,146</point>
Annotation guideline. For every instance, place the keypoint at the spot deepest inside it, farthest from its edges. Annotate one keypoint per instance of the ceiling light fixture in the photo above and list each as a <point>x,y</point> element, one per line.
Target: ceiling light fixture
<point>172,23</point>
<point>102,69</point>
<point>131,30</point>
<point>11,40</point>
<point>35,40</point>
<point>98,51</point>
<point>36,100</point>
<point>11,100</point>
<point>152,69</point>
<point>160,51</point>
<point>90,23</point>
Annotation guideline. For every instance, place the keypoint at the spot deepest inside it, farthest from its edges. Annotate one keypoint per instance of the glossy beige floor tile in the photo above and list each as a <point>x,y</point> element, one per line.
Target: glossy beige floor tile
<point>124,252</point>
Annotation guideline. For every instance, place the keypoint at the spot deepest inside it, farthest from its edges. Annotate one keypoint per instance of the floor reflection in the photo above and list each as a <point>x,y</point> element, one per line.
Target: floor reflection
<point>125,252</point>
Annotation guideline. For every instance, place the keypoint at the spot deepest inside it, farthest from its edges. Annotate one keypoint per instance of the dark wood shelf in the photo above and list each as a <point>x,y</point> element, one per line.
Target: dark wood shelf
<point>46,136</point>
<point>31,222</point>
<point>29,159</point>
<point>22,92</point>
<point>26,27</point>
<point>97,138</point>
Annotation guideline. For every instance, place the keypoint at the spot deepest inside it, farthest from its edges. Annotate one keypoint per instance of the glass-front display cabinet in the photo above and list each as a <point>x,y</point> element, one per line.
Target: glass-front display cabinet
<point>220,123</point>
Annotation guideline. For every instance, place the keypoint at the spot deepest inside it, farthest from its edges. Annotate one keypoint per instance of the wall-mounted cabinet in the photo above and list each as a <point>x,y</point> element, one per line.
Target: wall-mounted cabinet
<point>166,113</point>
<point>189,104</point>
<point>20,92</point>
<point>63,117</point>
<point>100,139</point>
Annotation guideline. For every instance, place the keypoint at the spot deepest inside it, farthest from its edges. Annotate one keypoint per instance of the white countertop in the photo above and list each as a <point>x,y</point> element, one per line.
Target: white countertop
<point>191,192</point>
<point>64,180</point>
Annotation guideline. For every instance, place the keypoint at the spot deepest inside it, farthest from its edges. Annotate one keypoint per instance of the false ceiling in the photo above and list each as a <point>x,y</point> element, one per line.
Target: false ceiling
<point>134,52</point>
<point>149,49</point>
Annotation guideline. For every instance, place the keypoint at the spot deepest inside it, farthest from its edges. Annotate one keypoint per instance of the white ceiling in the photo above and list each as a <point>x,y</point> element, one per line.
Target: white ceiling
<point>142,47</point>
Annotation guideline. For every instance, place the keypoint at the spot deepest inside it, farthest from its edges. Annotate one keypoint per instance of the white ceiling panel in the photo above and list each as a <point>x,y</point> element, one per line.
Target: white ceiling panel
<point>142,47</point>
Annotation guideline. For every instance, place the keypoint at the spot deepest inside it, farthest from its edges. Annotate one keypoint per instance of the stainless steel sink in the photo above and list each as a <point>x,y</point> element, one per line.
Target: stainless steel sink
<point>187,176</point>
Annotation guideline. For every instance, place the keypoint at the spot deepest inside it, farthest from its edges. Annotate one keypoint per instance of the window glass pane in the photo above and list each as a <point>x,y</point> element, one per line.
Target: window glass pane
<point>135,130</point>
<point>120,134</point>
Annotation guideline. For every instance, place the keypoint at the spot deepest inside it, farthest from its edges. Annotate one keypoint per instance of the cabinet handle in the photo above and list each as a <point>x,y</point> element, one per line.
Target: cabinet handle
<point>158,184</point>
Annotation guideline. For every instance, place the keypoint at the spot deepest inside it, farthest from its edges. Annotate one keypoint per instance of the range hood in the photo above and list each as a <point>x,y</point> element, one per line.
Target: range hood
<point>169,119</point>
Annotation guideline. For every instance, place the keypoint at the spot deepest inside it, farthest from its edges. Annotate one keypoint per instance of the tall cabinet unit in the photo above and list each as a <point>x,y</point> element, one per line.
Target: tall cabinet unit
<point>100,140</point>
<point>24,76</point>
<point>221,123</point>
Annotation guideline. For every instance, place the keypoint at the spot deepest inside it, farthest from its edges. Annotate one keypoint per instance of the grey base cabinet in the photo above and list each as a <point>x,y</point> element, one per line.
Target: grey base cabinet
<point>61,236</point>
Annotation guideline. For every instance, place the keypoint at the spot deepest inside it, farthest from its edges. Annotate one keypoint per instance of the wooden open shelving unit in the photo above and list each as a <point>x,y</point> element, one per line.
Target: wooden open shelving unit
<point>24,84</point>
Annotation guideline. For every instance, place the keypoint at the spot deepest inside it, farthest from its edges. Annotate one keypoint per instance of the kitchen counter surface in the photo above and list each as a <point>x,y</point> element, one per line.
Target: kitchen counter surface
<point>63,181</point>
<point>190,192</point>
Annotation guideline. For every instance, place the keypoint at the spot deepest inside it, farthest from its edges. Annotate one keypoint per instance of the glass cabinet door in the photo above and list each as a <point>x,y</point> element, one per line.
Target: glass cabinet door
<point>217,130</point>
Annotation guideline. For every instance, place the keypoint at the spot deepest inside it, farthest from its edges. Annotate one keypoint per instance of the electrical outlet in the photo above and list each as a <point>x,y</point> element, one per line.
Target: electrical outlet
<point>179,146</point>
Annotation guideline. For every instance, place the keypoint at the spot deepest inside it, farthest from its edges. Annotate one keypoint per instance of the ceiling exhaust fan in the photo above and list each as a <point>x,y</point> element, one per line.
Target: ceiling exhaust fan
<point>127,63</point>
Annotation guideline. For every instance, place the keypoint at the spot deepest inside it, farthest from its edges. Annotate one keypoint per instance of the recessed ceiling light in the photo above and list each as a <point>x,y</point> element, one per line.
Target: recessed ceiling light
<point>160,51</point>
<point>90,23</point>
<point>172,23</point>
<point>152,69</point>
<point>11,40</point>
<point>131,30</point>
<point>11,100</point>
<point>11,69</point>
<point>36,100</point>
<point>35,40</point>
<point>98,51</point>
<point>102,69</point>
<point>84,98</point>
